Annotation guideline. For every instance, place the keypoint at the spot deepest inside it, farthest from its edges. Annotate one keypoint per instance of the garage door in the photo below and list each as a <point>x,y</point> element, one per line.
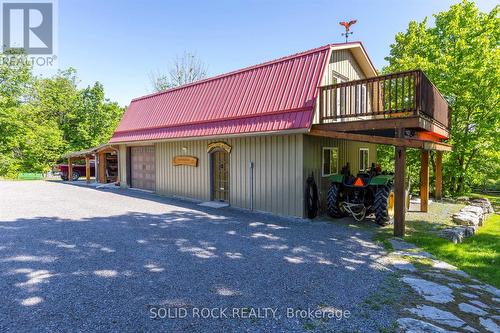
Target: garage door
<point>143,167</point>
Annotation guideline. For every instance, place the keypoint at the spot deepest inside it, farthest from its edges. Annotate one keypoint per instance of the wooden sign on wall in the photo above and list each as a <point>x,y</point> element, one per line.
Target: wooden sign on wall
<point>185,160</point>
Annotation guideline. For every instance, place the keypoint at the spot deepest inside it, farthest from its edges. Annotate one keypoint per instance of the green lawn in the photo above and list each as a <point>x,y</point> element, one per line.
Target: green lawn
<point>478,255</point>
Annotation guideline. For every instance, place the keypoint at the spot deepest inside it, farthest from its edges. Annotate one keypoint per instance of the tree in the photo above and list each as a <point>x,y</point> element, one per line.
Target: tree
<point>98,116</point>
<point>57,99</point>
<point>15,82</point>
<point>85,117</point>
<point>42,118</point>
<point>41,143</point>
<point>460,55</point>
<point>184,69</point>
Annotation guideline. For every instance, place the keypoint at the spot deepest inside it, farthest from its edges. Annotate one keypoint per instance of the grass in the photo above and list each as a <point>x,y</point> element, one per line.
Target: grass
<point>478,255</point>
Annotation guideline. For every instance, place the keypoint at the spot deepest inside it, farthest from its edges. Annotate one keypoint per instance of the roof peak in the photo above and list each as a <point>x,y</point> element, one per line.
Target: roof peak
<point>244,69</point>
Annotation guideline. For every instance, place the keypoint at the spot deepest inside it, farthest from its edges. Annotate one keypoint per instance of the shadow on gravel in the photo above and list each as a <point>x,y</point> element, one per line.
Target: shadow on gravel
<point>107,273</point>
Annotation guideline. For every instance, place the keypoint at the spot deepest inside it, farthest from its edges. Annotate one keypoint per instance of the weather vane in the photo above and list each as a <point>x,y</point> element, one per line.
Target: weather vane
<point>347,26</point>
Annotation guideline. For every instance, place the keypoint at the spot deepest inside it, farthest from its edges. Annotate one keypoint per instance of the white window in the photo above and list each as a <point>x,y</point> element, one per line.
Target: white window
<point>364,159</point>
<point>330,161</point>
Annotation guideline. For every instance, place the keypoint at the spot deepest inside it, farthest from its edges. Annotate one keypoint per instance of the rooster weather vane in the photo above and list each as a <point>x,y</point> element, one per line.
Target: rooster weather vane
<point>347,26</point>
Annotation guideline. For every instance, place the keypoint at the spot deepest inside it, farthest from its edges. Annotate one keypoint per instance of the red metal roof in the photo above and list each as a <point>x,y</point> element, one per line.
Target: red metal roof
<point>274,96</point>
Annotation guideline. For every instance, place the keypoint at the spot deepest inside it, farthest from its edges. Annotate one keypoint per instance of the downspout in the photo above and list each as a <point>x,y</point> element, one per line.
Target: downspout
<point>251,184</point>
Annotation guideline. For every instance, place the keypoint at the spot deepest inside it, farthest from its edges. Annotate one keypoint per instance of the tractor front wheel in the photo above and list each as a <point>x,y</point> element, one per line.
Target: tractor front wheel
<point>333,201</point>
<point>384,205</point>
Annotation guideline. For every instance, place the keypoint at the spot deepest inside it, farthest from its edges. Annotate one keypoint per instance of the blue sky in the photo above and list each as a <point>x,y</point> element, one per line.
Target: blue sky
<point>119,43</point>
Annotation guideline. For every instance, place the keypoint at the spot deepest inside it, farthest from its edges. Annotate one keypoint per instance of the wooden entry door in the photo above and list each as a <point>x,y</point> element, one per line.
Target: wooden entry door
<point>220,176</point>
<point>143,171</point>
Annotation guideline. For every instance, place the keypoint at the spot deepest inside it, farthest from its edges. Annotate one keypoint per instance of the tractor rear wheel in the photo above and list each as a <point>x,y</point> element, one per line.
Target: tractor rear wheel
<point>384,205</point>
<point>333,201</point>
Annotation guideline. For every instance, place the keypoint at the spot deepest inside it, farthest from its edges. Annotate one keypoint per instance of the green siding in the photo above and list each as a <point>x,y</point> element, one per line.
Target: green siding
<point>348,152</point>
<point>277,172</point>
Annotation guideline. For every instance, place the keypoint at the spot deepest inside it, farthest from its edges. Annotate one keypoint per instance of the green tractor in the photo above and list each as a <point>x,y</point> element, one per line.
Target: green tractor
<point>366,193</point>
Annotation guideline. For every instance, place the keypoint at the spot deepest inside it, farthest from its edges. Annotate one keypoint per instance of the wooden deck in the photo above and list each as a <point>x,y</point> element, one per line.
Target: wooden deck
<point>404,110</point>
<point>401,100</point>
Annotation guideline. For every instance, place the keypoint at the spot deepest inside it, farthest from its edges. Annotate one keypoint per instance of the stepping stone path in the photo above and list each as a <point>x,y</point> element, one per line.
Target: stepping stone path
<point>492,290</point>
<point>456,285</point>
<point>410,325</point>
<point>489,325</point>
<point>480,304</point>
<point>441,276</point>
<point>431,291</point>
<point>437,315</point>
<point>404,265</point>
<point>464,307</point>
<point>470,295</point>
<point>446,299</point>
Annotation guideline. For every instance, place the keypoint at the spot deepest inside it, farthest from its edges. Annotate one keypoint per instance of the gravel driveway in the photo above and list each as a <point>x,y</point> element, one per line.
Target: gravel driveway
<point>74,258</point>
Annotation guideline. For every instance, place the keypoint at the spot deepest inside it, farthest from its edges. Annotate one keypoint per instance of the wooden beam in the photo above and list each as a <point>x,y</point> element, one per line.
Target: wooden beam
<point>399,191</point>
<point>424,181</point>
<point>70,169</point>
<point>402,142</point>
<point>87,169</point>
<point>431,126</point>
<point>129,166</point>
<point>370,124</point>
<point>437,146</point>
<point>438,185</point>
<point>118,168</point>
<point>102,167</point>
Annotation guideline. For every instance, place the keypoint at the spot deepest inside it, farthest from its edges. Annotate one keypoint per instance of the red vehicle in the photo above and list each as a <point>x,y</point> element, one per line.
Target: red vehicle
<point>78,170</point>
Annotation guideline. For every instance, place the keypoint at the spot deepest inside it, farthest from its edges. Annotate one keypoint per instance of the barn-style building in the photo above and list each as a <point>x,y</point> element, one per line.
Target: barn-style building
<point>251,137</point>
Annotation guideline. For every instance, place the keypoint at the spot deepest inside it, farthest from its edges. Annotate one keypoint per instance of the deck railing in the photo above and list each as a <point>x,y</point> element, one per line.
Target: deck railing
<point>401,94</point>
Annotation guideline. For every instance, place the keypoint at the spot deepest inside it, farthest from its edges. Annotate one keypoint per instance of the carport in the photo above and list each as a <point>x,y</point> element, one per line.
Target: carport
<point>106,163</point>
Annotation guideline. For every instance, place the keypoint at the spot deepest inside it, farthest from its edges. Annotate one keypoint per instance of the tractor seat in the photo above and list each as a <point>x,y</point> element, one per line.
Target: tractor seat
<point>365,177</point>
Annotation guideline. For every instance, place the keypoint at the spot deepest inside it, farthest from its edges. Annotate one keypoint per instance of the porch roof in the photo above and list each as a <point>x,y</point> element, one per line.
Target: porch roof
<point>87,152</point>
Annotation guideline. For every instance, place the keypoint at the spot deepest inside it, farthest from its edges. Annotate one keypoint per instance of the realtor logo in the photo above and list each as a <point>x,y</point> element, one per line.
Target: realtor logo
<point>30,26</point>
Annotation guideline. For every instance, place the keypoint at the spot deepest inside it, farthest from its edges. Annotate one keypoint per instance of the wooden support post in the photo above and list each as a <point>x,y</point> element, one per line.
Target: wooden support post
<point>399,192</point>
<point>424,181</point>
<point>438,194</point>
<point>102,168</point>
<point>70,169</point>
<point>118,168</point>
<point>87,169</point>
